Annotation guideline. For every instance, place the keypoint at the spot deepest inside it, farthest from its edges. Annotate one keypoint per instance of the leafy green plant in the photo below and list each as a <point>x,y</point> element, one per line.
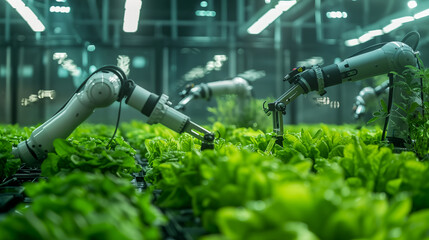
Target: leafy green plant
<point>414,84</point>
<point>10,135</point>
<point>14,133</point>
<point>9,164</point>
<point>418,112</point>
<point>317,208</point>
<point>90,154</point>
<point>84,206</point>
<point>136,133</point>
<point>373,167</point>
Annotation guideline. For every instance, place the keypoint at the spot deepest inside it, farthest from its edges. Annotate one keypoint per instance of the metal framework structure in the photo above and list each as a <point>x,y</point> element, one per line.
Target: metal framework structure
<point>170,24</point>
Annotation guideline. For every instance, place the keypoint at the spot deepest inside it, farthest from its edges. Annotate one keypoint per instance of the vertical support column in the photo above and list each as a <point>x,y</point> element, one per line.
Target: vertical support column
<point>8,87</point>
<point>47,21</point>
<point>165,70</point>
<point>117,35</point>
<point>318,18</point>
<point>279,57</point>
<point>240,12</point>
<point>7,24</point>
<point>365,12</point>
<point>172,68</point>
<point>159,68</point>
<point>209,27</point>
<point>287,66</point>
<point>12,82</point>
<point>105,21</point>
<point>173,13</point>
<point>232,71</point>
<point>47,54</point>
<point>224,19</point>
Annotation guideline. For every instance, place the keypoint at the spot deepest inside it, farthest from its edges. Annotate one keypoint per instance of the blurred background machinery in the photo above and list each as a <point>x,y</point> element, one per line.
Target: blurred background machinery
<point>48,47</point>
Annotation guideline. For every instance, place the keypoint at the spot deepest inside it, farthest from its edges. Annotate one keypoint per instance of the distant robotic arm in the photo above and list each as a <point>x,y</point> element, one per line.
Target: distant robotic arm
<point>367,97</point>
<point>103,88</point>
<point>393,56</point>
<point>237,86</point>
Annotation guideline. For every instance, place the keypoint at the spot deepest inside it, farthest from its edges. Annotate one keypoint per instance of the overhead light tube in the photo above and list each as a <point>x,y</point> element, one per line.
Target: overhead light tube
<point>131,15</point>
<point>403,19</point>
<point>352,42</point>
<point>422,14</point>
<point>392,26</point>
<point>28,15</point>
<point>365,37</point>
<point>269,17</point>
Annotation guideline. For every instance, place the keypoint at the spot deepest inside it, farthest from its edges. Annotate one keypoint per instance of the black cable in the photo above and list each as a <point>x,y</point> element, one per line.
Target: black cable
<point>122,77</point>
<point>118,71</point>
<point>421,90</point>
<point>117,125</point>
<point>389,105</point>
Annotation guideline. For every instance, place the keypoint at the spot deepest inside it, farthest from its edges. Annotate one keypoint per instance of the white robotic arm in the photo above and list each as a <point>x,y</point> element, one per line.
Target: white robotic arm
<point>236,86</point>
<point>103,88</point>
<point>368,97</point>
<point>392,56</point>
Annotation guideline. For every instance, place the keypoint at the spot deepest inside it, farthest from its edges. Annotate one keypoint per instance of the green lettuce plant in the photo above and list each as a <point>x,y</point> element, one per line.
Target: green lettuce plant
<point>84,206</point>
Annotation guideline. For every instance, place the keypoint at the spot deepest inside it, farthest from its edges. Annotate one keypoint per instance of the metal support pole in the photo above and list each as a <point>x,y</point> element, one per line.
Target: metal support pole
<point>173,13</point>
<point>318,18</point>
<point>165,70</point>
<point>13,82</point>
<point>279,56</point>
<point>47,78</point>
<point>105,21</point>
<point>7,25</point>
<point>8,87</point>
<point>232,52</point>
<point>224,19</point>
<point>47,22</point>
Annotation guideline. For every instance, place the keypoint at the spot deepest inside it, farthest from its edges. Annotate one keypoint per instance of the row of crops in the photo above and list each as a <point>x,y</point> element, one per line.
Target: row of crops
<point>326,182</point>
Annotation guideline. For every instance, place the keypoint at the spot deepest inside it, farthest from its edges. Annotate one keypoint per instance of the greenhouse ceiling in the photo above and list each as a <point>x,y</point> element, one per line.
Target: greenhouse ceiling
<point>333,22</point>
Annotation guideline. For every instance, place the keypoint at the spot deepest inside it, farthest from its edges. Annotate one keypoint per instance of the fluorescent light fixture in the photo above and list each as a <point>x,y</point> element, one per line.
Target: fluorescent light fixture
<point>264,21</point>
<point>29,16</point>
<point>336,14</point>
<point>422,14</point>
<point>352,42</point>
<point>412,4</point>
<point>204,13</point>
<point>403,19</point>
<point>365,38</point>
<point>392,26</point>
<point>59,9</point>
<point>285,5</point>
<point>270,16</point>
<point>377,32</point>
<point>131,15</point>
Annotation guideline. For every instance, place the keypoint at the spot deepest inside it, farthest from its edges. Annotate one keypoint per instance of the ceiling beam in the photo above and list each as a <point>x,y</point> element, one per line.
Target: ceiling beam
<point>358,31</point>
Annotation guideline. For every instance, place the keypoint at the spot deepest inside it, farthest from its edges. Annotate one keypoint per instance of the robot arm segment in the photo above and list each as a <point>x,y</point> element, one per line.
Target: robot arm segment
<point>367,97</point>
<point>237,86</point>
<point>158,109</point>
<point>102,89</point>
<point>393,56</point>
